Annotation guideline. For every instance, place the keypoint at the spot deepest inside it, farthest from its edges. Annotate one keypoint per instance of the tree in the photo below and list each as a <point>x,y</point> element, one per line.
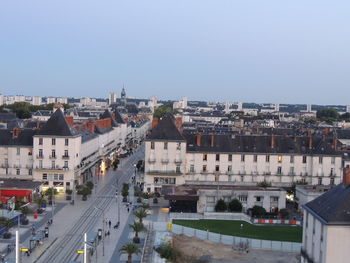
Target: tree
<point>327,113</point>
<point>137,227</point>
<point>258,211</point>
<point>168,252</point>
<point>51,191</point>
<point>264,184</point>
<point>235,206</point>
<point>90,184</point>
<point>40,201</point>
<point>283,213</point>
<point>145,206</point>
<point>130,249</point>
<point>141,214</point>
<point>220,206</point>
<point>7,224</point>
<point>85,192</point>
<point>162,110</point>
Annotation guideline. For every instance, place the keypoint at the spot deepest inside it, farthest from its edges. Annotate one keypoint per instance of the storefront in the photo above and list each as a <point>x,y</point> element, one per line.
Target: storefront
<point>21,190</point>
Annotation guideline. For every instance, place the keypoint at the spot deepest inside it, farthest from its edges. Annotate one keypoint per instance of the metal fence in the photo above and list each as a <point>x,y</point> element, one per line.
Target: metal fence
<point>236,241</point>
<point>208,215</point>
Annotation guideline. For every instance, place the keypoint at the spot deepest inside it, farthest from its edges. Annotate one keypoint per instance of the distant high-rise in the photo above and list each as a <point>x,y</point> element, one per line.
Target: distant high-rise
<point>1,99</point>
<point>36,100</point>
<point>277,107</point>
<point>239,106</point>
<point>123,97</point>
<point>112,98</point>
<point>184,102</point>
<point>348,108</point>
<point>308,108</point>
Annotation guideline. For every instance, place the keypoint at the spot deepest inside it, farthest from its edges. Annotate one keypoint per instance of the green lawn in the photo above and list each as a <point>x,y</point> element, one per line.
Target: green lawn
<point>233,228</point>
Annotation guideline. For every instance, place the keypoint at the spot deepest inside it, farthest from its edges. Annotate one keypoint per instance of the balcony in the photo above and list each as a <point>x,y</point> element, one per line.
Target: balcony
<point>16,166</point>
<point>39,156</point>
<point>65,157</point>
<point>168,172</point>
<point>57,168</point>
<point>165,160</point>
<point>332,175</point>
<point>4,166</point>
<point>29,166</point>
<point>52,156</point>
<point>178,161</point>
<point>152,160</point>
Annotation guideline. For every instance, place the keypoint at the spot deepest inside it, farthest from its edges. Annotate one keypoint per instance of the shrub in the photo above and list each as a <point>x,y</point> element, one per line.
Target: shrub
<point>220,206</point>
<point>90,185</point>
<point>283,213</point>
<point>264,184</point>
<point>235,206</point>
<point>258,211</point>
<point>69,191</point>
<point>168,252</point>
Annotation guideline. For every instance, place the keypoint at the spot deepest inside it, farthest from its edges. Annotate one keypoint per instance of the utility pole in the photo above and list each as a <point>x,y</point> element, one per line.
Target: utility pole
<point>18,256</point>
<point>85,249</point>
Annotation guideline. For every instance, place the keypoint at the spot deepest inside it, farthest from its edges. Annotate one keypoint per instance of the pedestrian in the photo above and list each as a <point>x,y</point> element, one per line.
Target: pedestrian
<point>108,233</point>
<point>128,209</point>
<point>109,223</point>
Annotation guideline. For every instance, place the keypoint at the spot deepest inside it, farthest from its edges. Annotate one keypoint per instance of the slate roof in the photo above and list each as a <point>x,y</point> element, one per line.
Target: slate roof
<point>7,116</point>
<point>166,130</point>
<point>25,137</point>
<point>118,117</point>
<point>18,184</point>
<point>107,114</point>
<point>42,113</point>
<point>333,207</point>
<point>57,126</point>
<point>259,144</point>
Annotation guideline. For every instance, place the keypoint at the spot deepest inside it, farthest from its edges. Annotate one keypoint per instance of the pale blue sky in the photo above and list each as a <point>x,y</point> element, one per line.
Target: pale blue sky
<point>295,51</point>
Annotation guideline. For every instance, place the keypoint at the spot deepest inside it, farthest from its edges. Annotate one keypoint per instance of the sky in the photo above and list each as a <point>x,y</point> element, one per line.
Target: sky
<point>292,51</point>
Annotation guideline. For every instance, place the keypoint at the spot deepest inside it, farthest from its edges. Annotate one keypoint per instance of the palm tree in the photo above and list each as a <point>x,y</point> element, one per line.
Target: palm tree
<point>137,227</point>
<point>141,214</point>
<point>7,223</point>
<point>40,201</point>
<point>130,249</point>
<point>145,205</point>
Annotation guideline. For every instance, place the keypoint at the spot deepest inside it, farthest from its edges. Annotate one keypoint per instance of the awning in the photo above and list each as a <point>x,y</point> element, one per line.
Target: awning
<point>13,192</point>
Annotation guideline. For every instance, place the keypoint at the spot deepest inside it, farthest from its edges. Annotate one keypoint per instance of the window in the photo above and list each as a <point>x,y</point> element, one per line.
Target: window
<point>165,146</point>
<point>18,171</point>
<point>332,181</point>
<point>229,168</point>
<point>30,152</point>
<point>205,157</point>
<point>258,198</point>
<point>178,147</point>
<point>279,170</point>
<point>53,141</point>
<point>65,164</point>
<point>242,158</point>
<point>230,157</point>
<point>332,172</point>
<point>66,153</point>
<point>333,160</point>
<point>53,153</point>
<point>40,164</point>
<point>274,198</point>
<point>320,160</point>
<point>217,157</point>
<point>178,169</point>
<point>279,158</point>
<point>217,168</point>
<point>53,164</point>
<point>255,158</point>
<point>40,152</point>
<point>18,151</point>
<point>267,159</point>
<point>210,199</point>
<point>192,168</point>
<point>304,159</point>
<point>204,168</point>
<point>30,172</point>
<point>66,142</point>
<point>291,159</point>
<point>44,176</point>
<point>152,145</point>
<point>60,177</point>
<point>55,177</point>
<point>291,171</point>
<point>319,181</point>
<point>40,141</point>
<point>307,220</point>
<point>243,198</point>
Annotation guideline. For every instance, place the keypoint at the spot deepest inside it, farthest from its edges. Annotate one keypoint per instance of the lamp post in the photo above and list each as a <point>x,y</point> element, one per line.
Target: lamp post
<point>103,229</point>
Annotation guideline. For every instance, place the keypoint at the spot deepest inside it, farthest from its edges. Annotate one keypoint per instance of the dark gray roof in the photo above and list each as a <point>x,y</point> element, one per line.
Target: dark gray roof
<point>25,137</point>
<point>19,184</point>
<point>118,117</point>
<point>42,113</point>
<point>57,126</point>
<point>166,130</point>
<point>7,116</point>
<point>333,207</point>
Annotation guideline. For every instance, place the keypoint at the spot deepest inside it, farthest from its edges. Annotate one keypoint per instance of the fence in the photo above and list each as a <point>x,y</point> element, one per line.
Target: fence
<point>237,241</point>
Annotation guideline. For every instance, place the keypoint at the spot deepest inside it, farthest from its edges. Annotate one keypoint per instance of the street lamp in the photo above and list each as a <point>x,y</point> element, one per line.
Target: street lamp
<point>103,229</point>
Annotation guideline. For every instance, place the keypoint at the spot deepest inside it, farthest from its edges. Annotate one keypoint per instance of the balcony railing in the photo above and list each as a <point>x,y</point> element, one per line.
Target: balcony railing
<point>152,160</point>
<point>178,161</point>
<point>39,156</point>
<point>65,156</point>
<point>52,168</point>
<point>168,172</point>
<point>4,166</point>
<point>52,156</point>
<point>165,160</point>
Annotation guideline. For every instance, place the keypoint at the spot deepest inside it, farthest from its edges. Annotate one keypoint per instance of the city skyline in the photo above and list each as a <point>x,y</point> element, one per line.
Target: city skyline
<point>258,52</point>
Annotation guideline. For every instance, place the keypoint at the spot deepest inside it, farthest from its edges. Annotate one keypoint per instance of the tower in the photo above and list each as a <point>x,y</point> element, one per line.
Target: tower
<point>123,97</point>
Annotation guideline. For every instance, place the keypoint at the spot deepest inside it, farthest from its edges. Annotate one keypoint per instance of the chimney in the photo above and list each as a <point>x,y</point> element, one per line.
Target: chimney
<point>155,122</point>
<point>178,123</point>
<point>335,143</point>
<point>100,123</point>
<point>91,127</point>
<point>107,122</point>
<point>310,142</point>
<point>69,120</point>
<point>346,176</point>
<point>38,124</point>
<point>15,132</point>
<point>212,140</point>
<point>199,136</point>
<point>273,141</point>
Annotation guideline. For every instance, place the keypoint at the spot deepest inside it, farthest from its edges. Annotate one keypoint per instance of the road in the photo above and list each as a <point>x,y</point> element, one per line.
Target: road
<point>63,250</point>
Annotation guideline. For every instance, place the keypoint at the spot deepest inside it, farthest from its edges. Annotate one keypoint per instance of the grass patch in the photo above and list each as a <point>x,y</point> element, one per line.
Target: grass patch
<point>233,228</point>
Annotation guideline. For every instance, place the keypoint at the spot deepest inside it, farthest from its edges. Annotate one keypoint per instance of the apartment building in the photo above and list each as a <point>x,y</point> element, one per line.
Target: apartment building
<point>176,158</point>
<point>326,229</point>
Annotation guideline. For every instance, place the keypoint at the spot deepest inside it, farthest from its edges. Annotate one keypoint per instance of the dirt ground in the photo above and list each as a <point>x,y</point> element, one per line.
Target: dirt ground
<point>192,249</point>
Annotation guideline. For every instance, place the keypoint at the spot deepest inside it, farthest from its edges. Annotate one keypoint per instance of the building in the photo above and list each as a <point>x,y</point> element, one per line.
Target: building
<point>326,229</point>
<point>1,99</point>
<point>112,98</point>
<point>36,100</point>
<point>123,97</point>
<point>225,159</point>
<point>307,193</point>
